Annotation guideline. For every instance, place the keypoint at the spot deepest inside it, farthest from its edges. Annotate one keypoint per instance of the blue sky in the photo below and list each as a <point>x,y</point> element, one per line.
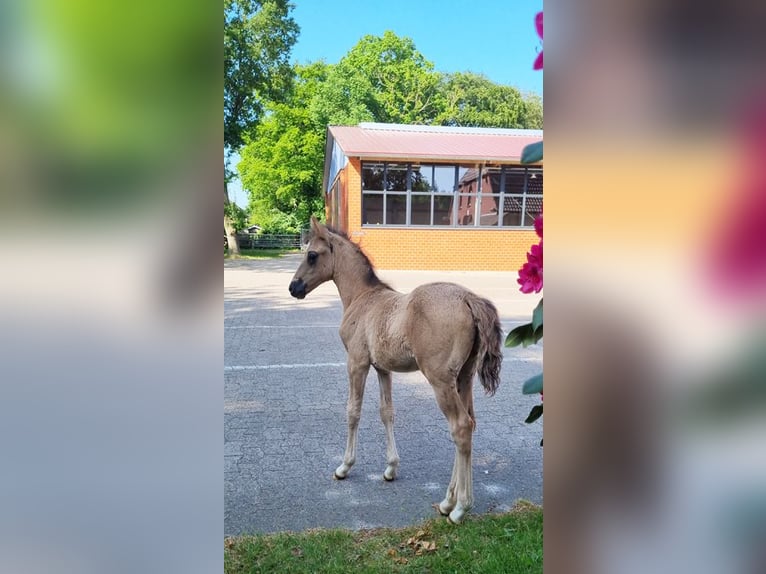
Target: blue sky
<point>496,38</point>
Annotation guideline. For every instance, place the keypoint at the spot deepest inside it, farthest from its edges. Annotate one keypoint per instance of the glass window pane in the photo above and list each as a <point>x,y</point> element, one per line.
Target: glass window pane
<point>490,180</point>
<point>535,182</point>
<point>396,209</point>
<point>512,211</point>
<point>444,179</point>
<point>466,207</point>
<point>372,176</point>
<point>421,210</point>
<point>534,208</point>
<point>514,180</point>
<point>396,177</point>
<point>372,208</point>
<point>443,209</point>
<point>488,210</point>
<point>467,180</point>
<point>422,177</point>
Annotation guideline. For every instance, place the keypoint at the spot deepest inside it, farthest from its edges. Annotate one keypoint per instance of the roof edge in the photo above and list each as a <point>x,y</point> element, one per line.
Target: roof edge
<point>448,129</point>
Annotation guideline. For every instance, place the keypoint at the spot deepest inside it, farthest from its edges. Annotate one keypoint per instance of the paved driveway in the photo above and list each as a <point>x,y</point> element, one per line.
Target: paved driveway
<point>285,412</point>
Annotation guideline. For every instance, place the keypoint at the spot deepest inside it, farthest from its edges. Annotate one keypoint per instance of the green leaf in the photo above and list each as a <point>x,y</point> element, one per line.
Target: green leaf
<point>537,316</point>
<point>521,335</point>
<point>534,414</point>
<point>532,153</point>
<point>538,334</point>
<point>533,385</point>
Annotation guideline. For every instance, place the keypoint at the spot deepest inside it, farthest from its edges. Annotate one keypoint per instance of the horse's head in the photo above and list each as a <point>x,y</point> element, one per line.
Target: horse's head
<point>317,266</point>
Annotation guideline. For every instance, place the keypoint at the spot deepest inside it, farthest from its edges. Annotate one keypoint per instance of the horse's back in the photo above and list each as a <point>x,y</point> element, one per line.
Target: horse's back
<point>440,326</point>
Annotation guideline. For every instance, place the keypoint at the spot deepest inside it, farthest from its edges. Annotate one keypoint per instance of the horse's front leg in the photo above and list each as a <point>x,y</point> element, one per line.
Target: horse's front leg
<point>357,377</point>
<point>387,416</point>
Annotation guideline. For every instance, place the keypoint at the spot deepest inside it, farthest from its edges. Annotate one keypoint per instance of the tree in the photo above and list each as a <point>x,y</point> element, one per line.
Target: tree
<point>382,78</point>
<point>258,37</point>
<point>534,111</point>
<point>282,163</point>
<point>474,100</point>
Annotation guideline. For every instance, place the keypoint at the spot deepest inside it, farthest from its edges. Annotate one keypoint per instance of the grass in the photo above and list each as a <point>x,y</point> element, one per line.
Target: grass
<point>261,253</point>
<point>509,543</point>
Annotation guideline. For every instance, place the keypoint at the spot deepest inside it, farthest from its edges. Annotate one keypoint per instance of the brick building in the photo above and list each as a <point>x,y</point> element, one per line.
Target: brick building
<point>433,197</point>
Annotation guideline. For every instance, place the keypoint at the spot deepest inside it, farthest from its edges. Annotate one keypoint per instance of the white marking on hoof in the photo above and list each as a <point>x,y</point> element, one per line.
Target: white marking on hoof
<point>445,507</point>
<point>342,471</point>
<point>457,515</point>
<point>390,473</point>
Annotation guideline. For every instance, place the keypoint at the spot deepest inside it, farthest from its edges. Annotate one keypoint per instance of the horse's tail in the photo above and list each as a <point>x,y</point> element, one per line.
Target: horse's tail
<point>489,333</point>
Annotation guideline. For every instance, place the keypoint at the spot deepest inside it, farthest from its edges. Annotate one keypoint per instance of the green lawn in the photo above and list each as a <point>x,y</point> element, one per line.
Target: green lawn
<point>261,253</point>
<point>509,543</point>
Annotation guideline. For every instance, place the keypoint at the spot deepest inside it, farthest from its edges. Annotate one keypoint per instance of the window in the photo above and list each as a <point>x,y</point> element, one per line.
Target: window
<point>384,188</point>
<point>448,195</point>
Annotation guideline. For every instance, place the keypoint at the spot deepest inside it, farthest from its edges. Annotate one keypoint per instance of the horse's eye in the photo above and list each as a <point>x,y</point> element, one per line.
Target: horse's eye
<point>312,257</point>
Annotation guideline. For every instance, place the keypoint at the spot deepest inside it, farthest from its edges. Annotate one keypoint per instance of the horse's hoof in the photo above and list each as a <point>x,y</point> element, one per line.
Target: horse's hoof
<point>444,509</point>
<point>336,476</point>
<point>389,474</point>
<point>456,516</point>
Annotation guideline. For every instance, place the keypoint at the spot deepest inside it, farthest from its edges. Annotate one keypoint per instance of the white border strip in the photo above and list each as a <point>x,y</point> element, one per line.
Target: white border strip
<point>337,326</point>
<point>270,367</point>
<point>319,365</point>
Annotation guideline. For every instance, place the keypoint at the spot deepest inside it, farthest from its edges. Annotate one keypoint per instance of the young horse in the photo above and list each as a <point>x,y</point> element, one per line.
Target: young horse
<point>441,329</point>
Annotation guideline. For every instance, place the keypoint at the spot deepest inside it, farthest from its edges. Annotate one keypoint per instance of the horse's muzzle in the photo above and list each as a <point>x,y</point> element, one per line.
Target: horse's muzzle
<point>298,288</point>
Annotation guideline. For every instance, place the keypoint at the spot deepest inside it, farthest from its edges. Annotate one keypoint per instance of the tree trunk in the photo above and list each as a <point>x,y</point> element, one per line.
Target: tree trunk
<point>231,233</point>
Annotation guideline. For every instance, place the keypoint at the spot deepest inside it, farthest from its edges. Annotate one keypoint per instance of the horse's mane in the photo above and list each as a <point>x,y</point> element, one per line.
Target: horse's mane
<point>371,278</point>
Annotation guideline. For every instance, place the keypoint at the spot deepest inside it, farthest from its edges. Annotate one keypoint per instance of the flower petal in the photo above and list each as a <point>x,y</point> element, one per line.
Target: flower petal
<point>539,24</point>
<point>538,65</point>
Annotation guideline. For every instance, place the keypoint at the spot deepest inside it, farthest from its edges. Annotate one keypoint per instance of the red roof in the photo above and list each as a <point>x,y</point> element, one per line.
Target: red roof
<point>433,142</point>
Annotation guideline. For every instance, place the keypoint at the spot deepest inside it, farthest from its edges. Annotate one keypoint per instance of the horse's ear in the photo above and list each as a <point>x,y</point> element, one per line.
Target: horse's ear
<point>317,228</point>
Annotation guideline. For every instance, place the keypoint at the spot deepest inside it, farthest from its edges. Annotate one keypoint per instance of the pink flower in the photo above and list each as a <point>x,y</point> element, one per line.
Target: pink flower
<point>530,278</point>
<point>738,259</point>
<point>535,255</point>
<point>538,65</point>
<point>539,225</point>
<point>531,273</point>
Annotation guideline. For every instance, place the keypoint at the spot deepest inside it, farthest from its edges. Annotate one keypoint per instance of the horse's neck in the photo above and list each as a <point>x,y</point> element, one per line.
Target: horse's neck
<point>350,276</point>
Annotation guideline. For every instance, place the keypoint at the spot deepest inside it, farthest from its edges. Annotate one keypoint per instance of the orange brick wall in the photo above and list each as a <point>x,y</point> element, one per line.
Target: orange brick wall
<point>473,249</point>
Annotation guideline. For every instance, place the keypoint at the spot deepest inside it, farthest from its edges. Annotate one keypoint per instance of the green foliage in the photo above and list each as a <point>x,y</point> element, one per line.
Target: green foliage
<point>534,111</point>
<point>524,335</point>
<point>534,414</point>
<point>470,99</point>
<point>238,217</point>
<point>508,543</point>
<point>533,385</point>
<point>383,79</point>
<point>532,153</point>
<point>258,37</point>
<point>537,316</point>
<point>282,162</point>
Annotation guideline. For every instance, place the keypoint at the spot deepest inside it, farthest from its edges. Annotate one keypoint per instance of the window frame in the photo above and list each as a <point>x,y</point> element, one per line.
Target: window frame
<point>476,195</point>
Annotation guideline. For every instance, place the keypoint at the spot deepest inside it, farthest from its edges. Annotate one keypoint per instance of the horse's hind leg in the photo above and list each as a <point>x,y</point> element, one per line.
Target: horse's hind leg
<point>387,416</point>
<point>357,377</point>
<point>450,499</point>
<point>461,429</point>
<point>465,391</point>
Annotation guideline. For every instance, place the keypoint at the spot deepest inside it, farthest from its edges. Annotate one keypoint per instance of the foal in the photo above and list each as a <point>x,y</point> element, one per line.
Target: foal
<point>441,329</point>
